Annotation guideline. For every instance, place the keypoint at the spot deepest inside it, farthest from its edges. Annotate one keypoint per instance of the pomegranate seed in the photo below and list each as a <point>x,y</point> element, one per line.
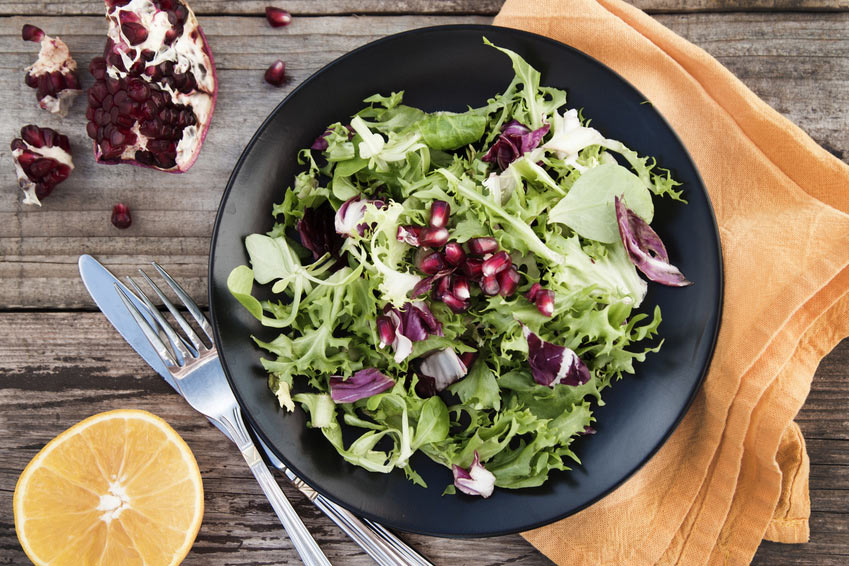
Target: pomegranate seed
<point>473,268</point>
<point>121,216</point>
<point>409,235</point>
<point>277,17</point>
<point>439,210</point>
<point>545,302</point>
<point>490,286</point>
<point>461,288</point>
<point>454,253</point>
<point>385,330</point>
<point>443,286</point>
<point>31,33</point>
<point>423,286</point>
<point>134,32</point>
<point>276,74</point>
<point>533,292</point>
<point>481,246</point>
<point>434,237</point>
<point>508,280</point>
<point>454,303</point>
<point>468,358</point>
<point>496,264</point>
<point>431,263</point>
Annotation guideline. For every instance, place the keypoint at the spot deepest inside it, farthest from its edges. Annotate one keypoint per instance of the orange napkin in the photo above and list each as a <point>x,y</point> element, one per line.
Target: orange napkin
<point>735,471</point>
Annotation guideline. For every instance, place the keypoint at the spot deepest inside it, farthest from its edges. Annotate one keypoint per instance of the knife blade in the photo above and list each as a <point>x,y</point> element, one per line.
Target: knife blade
<point>376,540</point>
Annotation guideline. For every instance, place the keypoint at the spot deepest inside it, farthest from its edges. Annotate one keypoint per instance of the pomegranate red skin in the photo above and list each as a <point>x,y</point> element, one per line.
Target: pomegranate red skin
<point>201,135</point>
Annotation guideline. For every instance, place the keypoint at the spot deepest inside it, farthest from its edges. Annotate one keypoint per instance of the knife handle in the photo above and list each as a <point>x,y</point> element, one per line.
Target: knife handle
<point>383,546</point>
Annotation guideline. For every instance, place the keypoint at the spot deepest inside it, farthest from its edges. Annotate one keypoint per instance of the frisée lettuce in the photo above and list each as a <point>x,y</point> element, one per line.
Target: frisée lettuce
<point>462,285</point>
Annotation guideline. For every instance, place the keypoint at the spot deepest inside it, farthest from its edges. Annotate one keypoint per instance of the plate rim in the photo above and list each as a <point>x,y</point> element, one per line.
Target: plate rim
<point>719,275</point>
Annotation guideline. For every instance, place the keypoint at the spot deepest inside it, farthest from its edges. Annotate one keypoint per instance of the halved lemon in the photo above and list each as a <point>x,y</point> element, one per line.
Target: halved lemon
<point>120,487</point>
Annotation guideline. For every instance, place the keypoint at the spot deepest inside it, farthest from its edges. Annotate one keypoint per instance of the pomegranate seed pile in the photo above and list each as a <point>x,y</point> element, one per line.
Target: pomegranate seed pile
<point>451,268</point>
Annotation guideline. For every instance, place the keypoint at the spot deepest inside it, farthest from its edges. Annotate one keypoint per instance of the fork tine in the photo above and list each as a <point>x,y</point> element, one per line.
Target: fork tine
<point>190,304</point>
<point>151,335</point>
<point>176,342</point>
<point>181,320</point>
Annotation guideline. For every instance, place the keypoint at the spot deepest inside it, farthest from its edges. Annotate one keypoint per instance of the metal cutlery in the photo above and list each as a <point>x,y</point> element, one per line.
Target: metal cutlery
<point>381,544</point>
<point>208,392</point>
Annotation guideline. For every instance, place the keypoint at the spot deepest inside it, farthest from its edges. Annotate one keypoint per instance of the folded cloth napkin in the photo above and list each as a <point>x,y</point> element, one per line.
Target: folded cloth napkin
<point>735,471</point>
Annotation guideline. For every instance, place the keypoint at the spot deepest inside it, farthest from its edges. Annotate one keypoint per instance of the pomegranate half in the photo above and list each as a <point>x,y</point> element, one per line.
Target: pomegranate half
<point>155,86</point>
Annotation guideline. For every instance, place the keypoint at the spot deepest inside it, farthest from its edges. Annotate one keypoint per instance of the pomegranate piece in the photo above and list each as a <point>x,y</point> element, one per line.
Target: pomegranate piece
<point>454,253</point>
<point>468,358</point>
<point>54,74</point>
<point>439,210</point>
<point>277,17</point>
<point>545,302</point>
<point>409,235</point>
<point>431,263</point>
<point>496,264</point>
<point>481,246</point>
<point>461,288</point>
<point>42,161</point>
<point>508,280</point>
<point>275,75</point>
<point>121,216</point>
<point>473,268</point>
<point>385,330</point>
<point>155,86</point>
<point>489,285</point>
<point>433,237</point>
<point>454,303</point>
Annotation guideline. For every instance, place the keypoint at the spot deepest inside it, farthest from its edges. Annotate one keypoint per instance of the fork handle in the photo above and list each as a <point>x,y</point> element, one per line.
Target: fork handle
<point>302,540</point>
<point>384,547</point>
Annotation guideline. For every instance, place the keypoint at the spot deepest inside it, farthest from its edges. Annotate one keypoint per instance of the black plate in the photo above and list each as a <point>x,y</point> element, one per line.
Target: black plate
<point>449,68</point>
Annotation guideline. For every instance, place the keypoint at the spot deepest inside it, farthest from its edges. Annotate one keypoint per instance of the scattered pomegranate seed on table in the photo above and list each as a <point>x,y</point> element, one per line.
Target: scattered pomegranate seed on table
<point>121,216</point>
<point>276,74</point>
<point>277,17</point>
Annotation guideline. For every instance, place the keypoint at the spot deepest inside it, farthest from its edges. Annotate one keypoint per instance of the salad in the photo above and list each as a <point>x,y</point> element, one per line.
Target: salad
<point>464,285</point>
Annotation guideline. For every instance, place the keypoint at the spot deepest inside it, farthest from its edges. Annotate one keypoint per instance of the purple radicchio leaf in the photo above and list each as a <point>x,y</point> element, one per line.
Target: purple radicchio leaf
<point>409,235</point>
<point>515,140</point>
<point>412,323</point>
<point>347,220</point>
<point>438,370</point>
<point>645,249</point>
<point>320,142</point>
<point>552,364</point>
<point>317,233</point>
<point>362,384</point>
<point>477,480</point>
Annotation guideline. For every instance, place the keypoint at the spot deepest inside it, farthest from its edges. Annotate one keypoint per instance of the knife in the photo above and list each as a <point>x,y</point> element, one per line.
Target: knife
<point>382,545</point>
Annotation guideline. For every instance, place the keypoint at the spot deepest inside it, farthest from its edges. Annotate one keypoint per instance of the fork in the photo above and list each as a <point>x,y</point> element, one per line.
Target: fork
<point>207,391</point>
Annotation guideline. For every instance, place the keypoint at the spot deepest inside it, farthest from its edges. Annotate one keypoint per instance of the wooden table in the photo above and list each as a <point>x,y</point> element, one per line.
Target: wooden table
<point>60,360</point>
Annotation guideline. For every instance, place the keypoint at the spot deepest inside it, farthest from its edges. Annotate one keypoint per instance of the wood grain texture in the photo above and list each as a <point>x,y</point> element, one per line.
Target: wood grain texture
<point>58,368</point>
<point>51,379</point>
<point>799,63</point>
<point>481,7</point>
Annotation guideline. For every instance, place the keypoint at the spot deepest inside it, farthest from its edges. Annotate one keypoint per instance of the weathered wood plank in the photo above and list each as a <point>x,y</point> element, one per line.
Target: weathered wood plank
<point>296,7</point>
<point>778,55</point>
<point>172,214</point>
<point>480,7</point>
<point>58,368</point>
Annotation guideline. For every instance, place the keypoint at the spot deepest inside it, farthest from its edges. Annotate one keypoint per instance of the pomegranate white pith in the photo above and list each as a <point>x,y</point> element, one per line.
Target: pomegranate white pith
<point>155,87</point>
